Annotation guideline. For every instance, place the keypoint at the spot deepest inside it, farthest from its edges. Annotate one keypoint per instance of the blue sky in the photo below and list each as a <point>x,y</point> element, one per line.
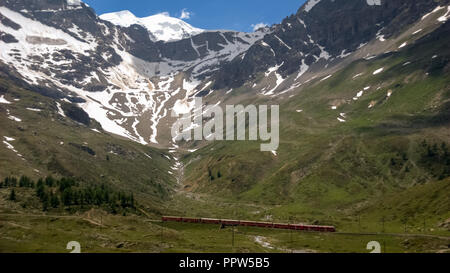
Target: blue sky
<point>207,14</point>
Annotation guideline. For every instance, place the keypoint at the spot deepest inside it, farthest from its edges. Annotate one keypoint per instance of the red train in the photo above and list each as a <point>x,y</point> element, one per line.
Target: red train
<point>227,222</point>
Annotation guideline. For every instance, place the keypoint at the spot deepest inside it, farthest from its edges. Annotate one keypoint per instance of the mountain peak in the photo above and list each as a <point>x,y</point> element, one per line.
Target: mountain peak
<point>161,26</point>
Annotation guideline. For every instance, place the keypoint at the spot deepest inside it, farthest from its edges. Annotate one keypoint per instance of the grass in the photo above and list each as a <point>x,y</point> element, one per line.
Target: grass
<point>120,234</point>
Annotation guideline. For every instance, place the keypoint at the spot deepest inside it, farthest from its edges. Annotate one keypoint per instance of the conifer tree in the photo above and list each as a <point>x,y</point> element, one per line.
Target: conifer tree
<point>12,195</point>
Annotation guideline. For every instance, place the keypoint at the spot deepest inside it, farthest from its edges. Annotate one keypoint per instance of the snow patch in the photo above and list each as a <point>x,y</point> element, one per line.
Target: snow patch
<point>279,78</point>
<point>344,54</point>
<point>310,4</point>
<point>267,45</point>
<point>189,86</point>
<point>323,53</point>
<point>34,109</point>
<point>3,100</point>
<point>445,17</point>
<point>60,110</point>
<point>357,75</point>
<point>381,38</point>
<point>303,68</point>
<point>9,139</point>
<point>378,71</point>
<point>182,107</point>
<point>374,2</point>
<point>326,78</point>
<point>370,57</point>
<point>10,146</point>
<point>13,118</point>
<point>282,42</point>
<point>435,10</point>
<point>74,2</point>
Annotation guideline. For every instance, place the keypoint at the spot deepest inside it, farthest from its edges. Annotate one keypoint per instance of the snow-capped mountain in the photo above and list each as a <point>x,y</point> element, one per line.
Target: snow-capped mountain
<point>117,75</point>
<point>161,26</point>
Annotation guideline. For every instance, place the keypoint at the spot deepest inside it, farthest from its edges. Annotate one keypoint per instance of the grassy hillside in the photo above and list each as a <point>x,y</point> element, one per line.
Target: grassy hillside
<point>326,170</point>
<point>48,143</point>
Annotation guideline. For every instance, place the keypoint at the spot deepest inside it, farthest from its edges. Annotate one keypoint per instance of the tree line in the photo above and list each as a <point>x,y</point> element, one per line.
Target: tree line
<point>68,193</point>
<point>436,158</point>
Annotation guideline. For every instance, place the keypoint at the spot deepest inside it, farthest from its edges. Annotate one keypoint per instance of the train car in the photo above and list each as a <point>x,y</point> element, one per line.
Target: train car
<point>228,222</point>
<point>298,227</point>
<point>191,220</point>
<point>171,219</point>
<point>319,229</point>
<point>281,226</point>
<point>210,221</point>
<point>310,228</point>
<point>303,228</point>
<point>330,229</point>
<point>248,224</point>
<point>315,228</point>
<point>264,224</point>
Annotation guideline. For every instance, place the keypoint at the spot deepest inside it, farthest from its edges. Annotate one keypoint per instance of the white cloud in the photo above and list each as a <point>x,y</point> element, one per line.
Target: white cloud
<point>258,26</point>
<point>185,14</point>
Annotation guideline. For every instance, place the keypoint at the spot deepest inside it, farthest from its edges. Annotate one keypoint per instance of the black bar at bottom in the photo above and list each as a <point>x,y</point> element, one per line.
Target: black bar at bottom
<point>221,262</point>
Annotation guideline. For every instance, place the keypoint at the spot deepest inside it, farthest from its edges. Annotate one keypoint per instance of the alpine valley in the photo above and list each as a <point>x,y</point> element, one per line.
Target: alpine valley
<point>86,105</point>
